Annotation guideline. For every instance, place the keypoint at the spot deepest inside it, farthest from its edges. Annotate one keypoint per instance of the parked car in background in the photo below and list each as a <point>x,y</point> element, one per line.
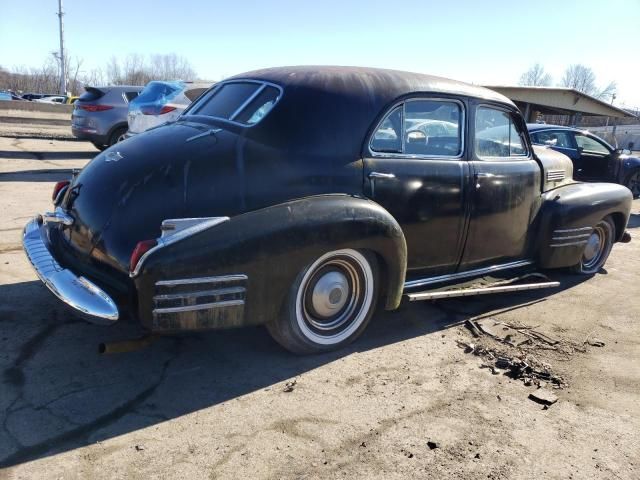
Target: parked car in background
<point>100,114</point>
<point>71,99</point>
<point>594,160</point>
<point>299,198</point>
<point>61,99</point>
<point>161,102</point>
<point>36,96</point>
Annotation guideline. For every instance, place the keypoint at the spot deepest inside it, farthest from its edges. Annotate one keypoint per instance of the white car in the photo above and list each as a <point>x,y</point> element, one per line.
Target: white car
<point>54,99</point>
<point>161,102</point>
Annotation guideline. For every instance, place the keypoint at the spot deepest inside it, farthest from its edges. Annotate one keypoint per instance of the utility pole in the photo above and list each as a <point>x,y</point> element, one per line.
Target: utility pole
<point>63,73</point>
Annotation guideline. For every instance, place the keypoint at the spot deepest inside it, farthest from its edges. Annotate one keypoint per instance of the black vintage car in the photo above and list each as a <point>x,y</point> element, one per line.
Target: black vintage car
<point>300,198</point>
<point>594,160</point>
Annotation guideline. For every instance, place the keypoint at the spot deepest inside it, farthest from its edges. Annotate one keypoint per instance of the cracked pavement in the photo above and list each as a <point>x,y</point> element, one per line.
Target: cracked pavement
<point>214,405</point>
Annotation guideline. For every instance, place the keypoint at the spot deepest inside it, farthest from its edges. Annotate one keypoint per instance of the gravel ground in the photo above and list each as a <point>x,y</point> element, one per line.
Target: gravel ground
<point>405,401</point>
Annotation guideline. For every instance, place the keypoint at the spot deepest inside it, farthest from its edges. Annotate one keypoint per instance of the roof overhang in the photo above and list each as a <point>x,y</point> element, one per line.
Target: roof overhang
<point>558,100</point>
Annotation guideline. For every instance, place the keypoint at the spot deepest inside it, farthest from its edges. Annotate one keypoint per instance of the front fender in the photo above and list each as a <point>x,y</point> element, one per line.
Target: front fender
<point>270,247</point>
<point>570,212</point>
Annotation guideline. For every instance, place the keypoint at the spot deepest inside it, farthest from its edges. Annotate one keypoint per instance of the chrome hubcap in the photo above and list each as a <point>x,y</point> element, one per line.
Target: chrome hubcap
<point>593,246</point>
<point>330,294</point>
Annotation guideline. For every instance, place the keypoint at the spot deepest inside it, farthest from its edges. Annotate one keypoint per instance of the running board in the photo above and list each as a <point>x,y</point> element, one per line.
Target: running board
<point>467,292</point>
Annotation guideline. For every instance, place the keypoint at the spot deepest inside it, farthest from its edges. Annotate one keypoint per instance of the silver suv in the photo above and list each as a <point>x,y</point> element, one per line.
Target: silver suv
<point>100,114</point>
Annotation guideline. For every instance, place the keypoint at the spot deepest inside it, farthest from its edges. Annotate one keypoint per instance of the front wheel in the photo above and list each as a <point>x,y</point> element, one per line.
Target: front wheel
<point>329,304</point>
<point>597,249</point>
<point>633,183</point>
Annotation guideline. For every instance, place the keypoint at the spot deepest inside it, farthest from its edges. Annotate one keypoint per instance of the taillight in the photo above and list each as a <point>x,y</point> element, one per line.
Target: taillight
<point>141,248</point>
<point>94,108</point>
<point>155,111</point>
<point>58,187</point>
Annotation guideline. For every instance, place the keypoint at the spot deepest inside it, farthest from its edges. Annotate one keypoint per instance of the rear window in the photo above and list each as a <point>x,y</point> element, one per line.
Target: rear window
<point>155,91</point>
<point>241,102</point>
<point>91,94</point>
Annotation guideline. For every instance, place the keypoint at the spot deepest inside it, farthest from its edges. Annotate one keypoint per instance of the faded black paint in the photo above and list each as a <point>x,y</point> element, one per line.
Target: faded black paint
<point>278,182</point>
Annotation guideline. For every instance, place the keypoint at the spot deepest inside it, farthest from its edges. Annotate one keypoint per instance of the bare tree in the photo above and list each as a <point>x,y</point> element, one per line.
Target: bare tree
<point>535,77</point>
<point>135,69</point>
<point>582,78</point>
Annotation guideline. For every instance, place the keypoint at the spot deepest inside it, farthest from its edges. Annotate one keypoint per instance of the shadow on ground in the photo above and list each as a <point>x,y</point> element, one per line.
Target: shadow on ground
<point>58,394</point>
<point>51,175</point>
<point>634,220</point>
<point>70,155</point>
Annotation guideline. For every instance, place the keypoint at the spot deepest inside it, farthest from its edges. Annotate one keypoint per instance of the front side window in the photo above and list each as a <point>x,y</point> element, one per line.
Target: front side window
<point>429,128</point>
<point>497,134</point>
<point>552,139</point>
<point>241,102</point>
<point>589,144</point>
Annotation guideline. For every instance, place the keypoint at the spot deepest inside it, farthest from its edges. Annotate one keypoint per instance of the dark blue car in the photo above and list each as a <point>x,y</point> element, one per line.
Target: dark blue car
<point>594,160</point>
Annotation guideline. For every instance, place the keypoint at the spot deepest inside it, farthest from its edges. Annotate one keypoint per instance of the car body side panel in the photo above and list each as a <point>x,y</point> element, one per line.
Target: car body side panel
<point>270,247</point>
<point>573,210</point>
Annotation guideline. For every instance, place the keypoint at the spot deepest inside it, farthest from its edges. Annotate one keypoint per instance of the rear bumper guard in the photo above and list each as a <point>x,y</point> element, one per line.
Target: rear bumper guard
<point>77,292</point>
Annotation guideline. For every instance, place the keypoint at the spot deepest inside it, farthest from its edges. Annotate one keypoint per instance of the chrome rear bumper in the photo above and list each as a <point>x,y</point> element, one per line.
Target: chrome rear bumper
<point>77,292</point>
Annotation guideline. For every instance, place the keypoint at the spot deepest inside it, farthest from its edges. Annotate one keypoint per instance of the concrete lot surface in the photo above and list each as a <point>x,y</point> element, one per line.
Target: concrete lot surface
<point>233,404</point>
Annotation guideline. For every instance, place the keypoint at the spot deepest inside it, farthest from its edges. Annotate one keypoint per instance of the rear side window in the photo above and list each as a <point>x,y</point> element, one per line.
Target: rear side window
<point>553,139</point>
<point>242,102</point>
<point>422,128</point>
<point>588,144</point>
<point>497,134</point>
<point>131,95</point>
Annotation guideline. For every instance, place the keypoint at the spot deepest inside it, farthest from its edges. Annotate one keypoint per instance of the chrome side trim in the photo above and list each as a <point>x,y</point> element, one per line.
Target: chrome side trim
<point>204,293</point>
<point>572,237</point>
<point>555,175</point>
<point>196,227</point>
<point>195,280</point>
<point>467,292</point>
<point>203,306</point>
<point>571,244</point>
<point>470,273</point>
<point>77,292</point>
<point>57,216</point>
<point>571,230</point>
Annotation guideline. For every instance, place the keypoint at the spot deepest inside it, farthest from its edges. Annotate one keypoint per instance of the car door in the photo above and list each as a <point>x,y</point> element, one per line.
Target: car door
<point>505,194</point>
<point>595,158</point>
<point>421,179</point>
<point>561,141</point>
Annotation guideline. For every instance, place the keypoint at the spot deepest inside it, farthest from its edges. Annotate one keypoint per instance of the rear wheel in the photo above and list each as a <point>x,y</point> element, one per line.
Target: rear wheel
<point>99,146</point>
<point>329,304</point>
<point>118,135</point>
<point>597,249</point>
<point>633,183</point>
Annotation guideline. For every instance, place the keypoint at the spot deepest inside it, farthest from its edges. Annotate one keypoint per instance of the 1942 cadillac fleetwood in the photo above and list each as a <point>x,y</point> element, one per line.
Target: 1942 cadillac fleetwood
<point>300,198</point>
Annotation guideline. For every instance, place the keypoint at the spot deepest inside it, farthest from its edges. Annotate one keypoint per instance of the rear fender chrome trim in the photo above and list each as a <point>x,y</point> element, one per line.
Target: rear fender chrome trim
<point>191,226</point>
<point>569,244</point>
<point>202,306</point>
<point>470,273</point>
<point>195,280</point>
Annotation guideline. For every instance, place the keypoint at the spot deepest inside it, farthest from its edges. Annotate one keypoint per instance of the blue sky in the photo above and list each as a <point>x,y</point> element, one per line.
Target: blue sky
<point>484,42</point>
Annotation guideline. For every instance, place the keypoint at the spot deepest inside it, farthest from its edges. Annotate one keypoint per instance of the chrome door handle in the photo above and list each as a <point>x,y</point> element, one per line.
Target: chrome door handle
<point>381,175</point>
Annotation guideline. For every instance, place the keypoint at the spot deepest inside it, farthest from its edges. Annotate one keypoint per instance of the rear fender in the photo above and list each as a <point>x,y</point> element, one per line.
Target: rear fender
<point>568,215</point>
<point>264,251</point>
